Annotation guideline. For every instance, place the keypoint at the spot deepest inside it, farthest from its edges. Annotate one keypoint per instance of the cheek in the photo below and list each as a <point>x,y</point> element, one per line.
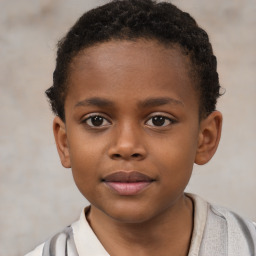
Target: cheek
<point>85,174</point>
<point>175,156</point>
<point>178,148</point>
<point>84,158</point>
<point>88,154</point>
<point>84,149</point>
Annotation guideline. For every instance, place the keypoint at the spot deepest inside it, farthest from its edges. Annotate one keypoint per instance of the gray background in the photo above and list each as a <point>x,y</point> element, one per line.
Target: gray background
<point>38,196</point>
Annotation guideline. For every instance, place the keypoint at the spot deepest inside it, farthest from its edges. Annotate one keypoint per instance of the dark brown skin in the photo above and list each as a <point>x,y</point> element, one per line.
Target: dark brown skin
<point>136,81</point>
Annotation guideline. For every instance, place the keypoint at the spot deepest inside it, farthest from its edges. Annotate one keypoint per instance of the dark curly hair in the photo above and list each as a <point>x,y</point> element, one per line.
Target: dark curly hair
<point>131,20</point>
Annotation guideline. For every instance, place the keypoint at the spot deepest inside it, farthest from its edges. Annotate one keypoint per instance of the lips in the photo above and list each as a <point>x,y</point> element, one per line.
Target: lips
<point>127,183</point>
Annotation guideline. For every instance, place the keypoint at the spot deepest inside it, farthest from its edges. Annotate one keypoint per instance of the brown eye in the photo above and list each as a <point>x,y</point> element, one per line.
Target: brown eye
<point>96,121</point>
<point>159,121</point>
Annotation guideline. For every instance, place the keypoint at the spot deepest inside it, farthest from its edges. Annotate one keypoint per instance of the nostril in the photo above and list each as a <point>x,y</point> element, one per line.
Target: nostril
<point>116,156</point>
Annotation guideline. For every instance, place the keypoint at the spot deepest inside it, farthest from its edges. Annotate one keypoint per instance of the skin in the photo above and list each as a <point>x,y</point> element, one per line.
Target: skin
<point>134,82</point>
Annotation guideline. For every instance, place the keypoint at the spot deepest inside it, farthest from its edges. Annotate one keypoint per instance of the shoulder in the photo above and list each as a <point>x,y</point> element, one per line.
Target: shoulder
<point>38,251</point>
<point>60,244</point>
<point>234,221</point>
<point>238,235</point>
<point>219,231</point>
<point>219,214</point>
<point>77,239</point>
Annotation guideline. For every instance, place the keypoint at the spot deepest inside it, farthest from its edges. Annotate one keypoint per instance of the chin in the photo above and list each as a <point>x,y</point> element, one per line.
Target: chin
<point>128,214</point>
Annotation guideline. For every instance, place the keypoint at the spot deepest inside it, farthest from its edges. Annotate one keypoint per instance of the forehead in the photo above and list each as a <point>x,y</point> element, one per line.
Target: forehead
<point>138,68</point>
<point>131,54</point>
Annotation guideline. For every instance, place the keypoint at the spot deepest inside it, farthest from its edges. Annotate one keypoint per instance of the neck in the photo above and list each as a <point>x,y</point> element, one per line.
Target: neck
<point>168,233</point>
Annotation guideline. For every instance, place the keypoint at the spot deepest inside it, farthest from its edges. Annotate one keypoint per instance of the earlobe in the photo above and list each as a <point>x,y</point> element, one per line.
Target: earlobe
<point>60,135</point>
<point>209,137</point>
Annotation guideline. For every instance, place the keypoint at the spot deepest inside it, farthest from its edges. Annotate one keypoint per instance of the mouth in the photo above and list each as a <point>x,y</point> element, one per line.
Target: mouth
<point>127,183</point>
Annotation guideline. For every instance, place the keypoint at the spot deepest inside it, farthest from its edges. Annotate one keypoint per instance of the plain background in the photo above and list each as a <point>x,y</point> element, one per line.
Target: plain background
<point>38,196</point>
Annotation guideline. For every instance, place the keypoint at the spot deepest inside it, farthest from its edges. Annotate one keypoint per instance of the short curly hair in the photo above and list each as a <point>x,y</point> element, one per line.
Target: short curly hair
<point>136,19</point>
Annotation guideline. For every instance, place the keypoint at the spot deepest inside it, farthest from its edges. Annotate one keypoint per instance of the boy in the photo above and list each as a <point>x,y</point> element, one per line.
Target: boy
<point>134,93</point>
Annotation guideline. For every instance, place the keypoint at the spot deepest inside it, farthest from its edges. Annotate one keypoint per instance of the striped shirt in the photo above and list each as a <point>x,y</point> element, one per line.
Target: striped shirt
<point>217,232</point>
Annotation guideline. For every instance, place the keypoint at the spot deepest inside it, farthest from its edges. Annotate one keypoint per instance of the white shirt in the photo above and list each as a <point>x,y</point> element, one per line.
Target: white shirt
<point>216,232</point>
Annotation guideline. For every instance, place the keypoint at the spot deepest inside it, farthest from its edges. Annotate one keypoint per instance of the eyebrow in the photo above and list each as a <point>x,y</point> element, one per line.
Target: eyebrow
<point>155,102</point>
<point>95,101</point>
<point>151,102</point>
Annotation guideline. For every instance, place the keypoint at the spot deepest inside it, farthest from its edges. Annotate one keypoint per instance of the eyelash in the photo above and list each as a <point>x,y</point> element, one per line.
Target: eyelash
<point>88,121</point>
<point>162,118</point>
<point>104,122</point>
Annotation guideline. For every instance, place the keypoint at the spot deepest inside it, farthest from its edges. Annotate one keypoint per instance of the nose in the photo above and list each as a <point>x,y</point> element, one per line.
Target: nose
<point>127,144</point>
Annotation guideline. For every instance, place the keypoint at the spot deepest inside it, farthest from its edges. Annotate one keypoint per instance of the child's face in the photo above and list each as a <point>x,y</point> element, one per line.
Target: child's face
<point>131,108</point>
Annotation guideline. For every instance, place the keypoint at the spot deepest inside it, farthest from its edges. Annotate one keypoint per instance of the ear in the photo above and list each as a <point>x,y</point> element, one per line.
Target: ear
<point>209,137</point>
<point>59,130</point>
